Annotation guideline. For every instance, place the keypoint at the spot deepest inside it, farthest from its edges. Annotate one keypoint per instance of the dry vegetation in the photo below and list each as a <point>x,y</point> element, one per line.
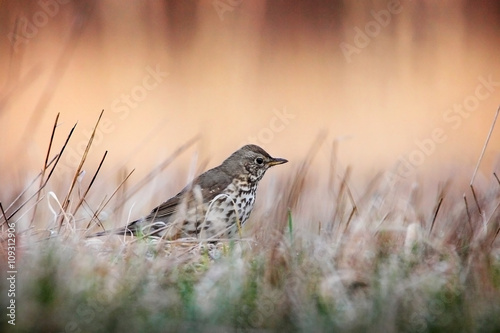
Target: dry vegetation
<point>323,259</point>
<point>321,252</point>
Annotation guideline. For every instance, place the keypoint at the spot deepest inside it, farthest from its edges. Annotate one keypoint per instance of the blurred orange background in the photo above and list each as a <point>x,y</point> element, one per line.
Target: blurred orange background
<point>408,85</point>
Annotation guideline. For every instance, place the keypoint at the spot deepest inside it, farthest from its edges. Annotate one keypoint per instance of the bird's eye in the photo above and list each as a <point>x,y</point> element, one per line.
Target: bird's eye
<point>259,160</point>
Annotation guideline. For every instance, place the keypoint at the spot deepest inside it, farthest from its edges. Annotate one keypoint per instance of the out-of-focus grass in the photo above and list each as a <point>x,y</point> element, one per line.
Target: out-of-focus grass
<point>388,259</point>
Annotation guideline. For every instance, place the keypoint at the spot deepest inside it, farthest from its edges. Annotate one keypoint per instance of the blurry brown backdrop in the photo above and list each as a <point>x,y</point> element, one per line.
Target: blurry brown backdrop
<point>385,79</point>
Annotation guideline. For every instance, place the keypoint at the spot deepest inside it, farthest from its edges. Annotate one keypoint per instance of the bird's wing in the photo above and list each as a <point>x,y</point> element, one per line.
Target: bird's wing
<point>213,182</point>
<point>210,184</point>
<point>166,209</point>
<point>202,190</point>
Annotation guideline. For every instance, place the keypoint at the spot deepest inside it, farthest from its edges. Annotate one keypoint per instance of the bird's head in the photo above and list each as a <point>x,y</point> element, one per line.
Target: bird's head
<point>252,161</point>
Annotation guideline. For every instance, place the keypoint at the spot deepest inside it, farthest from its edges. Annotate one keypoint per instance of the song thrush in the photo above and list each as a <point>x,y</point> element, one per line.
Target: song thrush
<point>211,206</point>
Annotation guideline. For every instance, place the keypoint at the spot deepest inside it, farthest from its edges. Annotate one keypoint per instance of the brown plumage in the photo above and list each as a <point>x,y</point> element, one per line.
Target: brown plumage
<point>212,204</point>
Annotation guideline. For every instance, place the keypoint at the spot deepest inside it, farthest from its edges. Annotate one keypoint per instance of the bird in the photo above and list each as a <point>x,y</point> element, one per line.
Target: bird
<point>213,206</point>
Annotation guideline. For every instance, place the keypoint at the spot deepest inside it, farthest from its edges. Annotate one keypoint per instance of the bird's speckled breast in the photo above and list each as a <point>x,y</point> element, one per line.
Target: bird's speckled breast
<point>235,202</point>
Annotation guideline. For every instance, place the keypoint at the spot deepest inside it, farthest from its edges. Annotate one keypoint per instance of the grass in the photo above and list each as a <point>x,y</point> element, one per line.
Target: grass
<point>383,261</point>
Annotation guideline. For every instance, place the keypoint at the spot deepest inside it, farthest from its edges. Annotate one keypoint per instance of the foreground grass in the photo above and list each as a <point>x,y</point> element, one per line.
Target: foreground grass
<point>392,258</point>
<point>364,277</point>
<point>67,287</point>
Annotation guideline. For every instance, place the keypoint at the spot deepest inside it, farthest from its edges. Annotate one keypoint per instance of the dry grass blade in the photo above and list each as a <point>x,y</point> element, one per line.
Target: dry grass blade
<point>484,147</point>
<point>45,166</point>
<point>353,211</point>
<point>481,212</point>
<point>58,156</point>
<point>28,187</point>
<point>340,208</point>
<point>333,165</point>
<point>3,213</point>
<point>492,213</point>
<point>299,179</point>
<point>55,161</point>
<point>65,203</point>
<point>351,199</point>
<point>96,214</point>
<point>21,194</point>
<point>82,199</point>
<point>436,211</point>
<point>477,205</point>
<point>338,205</point>
<point>496,177</point>
<point>495,237</point>
<point>440,197</point>
<point>468,213</point>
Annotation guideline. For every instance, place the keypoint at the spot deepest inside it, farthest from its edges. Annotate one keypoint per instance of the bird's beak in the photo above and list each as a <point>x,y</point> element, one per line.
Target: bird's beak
<point>276,161</point>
